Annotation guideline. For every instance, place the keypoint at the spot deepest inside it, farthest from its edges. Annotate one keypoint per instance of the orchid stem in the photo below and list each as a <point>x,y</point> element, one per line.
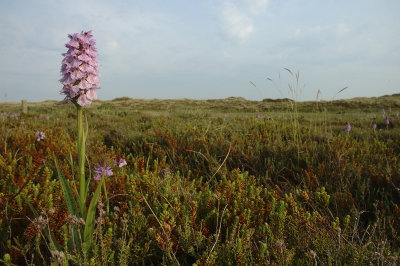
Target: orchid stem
<point>81,163</point>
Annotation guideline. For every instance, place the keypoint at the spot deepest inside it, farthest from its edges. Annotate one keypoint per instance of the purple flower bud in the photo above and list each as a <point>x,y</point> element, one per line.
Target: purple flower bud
<point>40,135</point>
<point>347,127</point>
<point>79,70</point>
<point>100,170</point>
<point>387,120</point>
<point>258,115</point>
<point>374,126</point>
<point>47,117</point>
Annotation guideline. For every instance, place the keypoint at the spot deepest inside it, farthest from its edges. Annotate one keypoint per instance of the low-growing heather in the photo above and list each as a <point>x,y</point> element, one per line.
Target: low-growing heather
<point>204,187</point>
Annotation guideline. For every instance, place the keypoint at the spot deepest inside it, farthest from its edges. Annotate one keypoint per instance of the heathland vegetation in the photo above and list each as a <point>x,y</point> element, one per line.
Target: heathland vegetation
<point>206,182</point>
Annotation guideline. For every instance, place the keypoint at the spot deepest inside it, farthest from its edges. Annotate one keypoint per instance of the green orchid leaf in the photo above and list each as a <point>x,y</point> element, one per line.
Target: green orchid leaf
<point>90,217</point>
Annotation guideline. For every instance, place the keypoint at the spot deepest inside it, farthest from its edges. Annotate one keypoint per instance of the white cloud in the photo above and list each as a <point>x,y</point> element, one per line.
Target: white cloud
<point>226,54</point>
<point>235,23</point>
<point>113,45</point>
<point>317,29</point>
<point>342,29</point>
<point>257,6</point>
<point>338,30</point>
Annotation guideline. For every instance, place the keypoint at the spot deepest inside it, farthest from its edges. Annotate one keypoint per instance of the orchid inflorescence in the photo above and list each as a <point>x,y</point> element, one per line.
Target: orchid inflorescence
<point>79,69</point>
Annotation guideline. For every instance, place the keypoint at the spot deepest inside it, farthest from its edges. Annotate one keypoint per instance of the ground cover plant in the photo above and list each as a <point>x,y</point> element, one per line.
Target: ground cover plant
<point>213,182</point>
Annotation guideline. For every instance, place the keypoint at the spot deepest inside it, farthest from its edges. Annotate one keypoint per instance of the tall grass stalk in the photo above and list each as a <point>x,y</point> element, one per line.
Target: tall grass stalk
<point>293,108</point>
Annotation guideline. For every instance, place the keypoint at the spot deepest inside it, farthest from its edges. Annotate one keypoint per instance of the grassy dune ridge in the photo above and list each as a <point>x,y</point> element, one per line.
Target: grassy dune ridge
<point>209,182</point>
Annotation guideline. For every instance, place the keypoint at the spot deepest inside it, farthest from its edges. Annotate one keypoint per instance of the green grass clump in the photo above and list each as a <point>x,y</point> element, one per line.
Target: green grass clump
<point>208,182</point>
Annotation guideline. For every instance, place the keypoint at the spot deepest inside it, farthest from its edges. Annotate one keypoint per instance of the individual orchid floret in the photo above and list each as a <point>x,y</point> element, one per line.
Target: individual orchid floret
<point>120,162</point>
<point>347,127</point>
<point>79,70</point>
<point>101,170</point>
<point>40,135</point>
<point>387,119</point>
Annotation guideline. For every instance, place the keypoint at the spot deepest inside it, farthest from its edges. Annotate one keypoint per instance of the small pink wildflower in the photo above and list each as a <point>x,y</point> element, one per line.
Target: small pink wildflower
<point>120,162</point>
<point>40,135</point>
<point>347,127</point>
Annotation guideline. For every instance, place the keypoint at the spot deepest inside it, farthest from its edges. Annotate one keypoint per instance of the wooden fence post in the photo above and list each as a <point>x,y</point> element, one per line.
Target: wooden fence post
<point>24,106</point>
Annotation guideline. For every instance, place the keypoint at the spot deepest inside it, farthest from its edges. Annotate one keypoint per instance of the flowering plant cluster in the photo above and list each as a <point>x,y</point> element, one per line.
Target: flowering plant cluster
<point>101,170</point>
<point>79,69</point>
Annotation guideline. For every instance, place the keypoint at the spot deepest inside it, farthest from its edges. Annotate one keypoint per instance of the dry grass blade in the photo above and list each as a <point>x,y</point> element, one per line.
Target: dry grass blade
<point>339,92</point>
<point>262,97</point>
<point>288,70</point>
<point>162,228</point>
<point>226,157</point>
<point>343,89</point>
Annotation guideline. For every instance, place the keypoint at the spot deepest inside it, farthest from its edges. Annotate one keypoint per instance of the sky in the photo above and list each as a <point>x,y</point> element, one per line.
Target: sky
<point>211,49</point>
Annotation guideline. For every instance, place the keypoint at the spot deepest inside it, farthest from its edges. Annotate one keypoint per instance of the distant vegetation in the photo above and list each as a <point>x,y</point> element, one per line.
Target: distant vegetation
<point>209,182</point>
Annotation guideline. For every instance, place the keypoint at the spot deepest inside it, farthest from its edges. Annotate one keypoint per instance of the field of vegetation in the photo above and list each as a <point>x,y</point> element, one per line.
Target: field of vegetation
<point>206,182</point>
